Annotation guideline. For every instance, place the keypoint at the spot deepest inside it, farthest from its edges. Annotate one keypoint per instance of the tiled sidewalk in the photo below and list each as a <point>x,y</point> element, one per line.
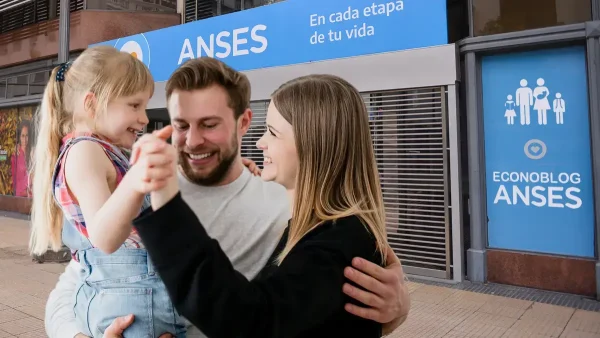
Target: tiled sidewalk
<point>436,311</point>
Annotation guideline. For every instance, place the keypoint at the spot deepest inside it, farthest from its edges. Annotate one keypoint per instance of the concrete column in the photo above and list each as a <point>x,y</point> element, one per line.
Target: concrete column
<point>593,60</point>
<point>476,255</point>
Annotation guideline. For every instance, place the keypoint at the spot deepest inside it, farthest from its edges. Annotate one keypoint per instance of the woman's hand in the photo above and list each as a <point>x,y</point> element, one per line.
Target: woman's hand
<point>154,167</point>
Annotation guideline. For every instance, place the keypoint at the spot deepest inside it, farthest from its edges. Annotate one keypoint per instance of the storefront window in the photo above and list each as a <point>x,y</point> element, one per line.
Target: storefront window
<point>37,82</point>
<point>2,89</point>
<point>133,5</point>
<point>502,16</point>
<point>230,6</point>
<point>540,192</point>
<point>17,86</point>
<point>16,146</point>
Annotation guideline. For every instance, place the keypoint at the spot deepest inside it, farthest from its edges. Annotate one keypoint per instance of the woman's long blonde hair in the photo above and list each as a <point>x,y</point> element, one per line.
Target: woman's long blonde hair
<point>107,74</point>
<point>337,174</point>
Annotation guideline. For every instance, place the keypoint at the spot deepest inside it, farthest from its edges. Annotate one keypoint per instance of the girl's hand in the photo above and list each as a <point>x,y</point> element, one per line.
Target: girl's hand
<point>251,165</point>
<point>154,162</point>
<point>157,161</point>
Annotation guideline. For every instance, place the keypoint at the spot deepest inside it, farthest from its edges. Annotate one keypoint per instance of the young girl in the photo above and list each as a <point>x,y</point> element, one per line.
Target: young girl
<point>91,111</point>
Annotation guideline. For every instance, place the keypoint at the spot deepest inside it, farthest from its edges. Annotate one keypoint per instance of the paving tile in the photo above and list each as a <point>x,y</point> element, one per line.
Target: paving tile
<point>420,327</point>
<point>413,286</point>
<point>478,319</point>
<point>21,326</point>
<point>515,333</point>
<point>56,269</point>
<point>538,327</point>
<point>549,314</point>
<point>4,334</point>
<point>578,334</point>
<point>481,331</point>
<point>507,307</point>
<point>34,311</point>
<point>432,294</point>
<point>446,314</point>
<point>10,315</point>
<point>35,334</point>
<point>467,300</point>
<point>585,321</point>
<point>21,299</point>
<point>437,310</point>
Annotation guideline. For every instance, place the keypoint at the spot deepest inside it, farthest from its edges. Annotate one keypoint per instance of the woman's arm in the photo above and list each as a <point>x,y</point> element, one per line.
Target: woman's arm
<point>205,288</point>
<point>108,215</point>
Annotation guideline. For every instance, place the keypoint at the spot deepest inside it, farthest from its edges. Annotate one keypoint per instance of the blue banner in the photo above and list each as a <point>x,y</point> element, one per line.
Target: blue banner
<point>292,32</point>
<point>537,152</point>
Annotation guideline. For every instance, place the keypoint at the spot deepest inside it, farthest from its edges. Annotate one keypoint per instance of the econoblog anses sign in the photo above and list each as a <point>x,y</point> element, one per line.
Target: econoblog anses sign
<point>537,151</point>
<point>292,32</point>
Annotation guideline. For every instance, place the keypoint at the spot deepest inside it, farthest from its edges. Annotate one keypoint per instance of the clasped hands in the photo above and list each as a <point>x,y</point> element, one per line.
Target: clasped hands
<point>154,167</point>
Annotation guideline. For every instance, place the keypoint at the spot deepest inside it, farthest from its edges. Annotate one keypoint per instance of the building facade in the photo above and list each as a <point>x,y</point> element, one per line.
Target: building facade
<point>29,43</point>
<point>411,97</point>
<point>485,117</point>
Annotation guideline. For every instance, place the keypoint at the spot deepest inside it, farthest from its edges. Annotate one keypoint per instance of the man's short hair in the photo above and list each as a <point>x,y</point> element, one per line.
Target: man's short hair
<point>204,72</point>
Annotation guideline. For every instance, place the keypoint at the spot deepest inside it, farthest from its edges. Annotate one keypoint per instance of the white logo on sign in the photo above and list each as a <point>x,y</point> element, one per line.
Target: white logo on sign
<point>525,98</point>
<point>510,110</point>
<point>134,49</point>
<point>535,149</point>
<point>559,108</point>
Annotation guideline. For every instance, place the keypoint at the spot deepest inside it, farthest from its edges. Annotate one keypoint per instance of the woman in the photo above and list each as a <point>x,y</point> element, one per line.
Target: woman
<point>317,145</point>
<point>20,161</point>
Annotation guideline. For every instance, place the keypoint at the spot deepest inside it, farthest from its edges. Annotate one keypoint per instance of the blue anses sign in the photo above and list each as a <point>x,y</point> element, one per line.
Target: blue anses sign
<point>537,150</point>
<point>292,32</point>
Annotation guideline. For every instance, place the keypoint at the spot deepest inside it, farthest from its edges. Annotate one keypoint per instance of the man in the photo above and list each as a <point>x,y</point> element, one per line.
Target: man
<point>208,105</point>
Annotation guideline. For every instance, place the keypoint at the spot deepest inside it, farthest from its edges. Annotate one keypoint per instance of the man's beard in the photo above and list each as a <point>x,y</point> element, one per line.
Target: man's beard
<point>215,176</point>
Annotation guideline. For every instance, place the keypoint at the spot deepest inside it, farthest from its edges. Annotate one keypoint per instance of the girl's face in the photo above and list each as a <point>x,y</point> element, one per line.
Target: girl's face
<point>124,119</point>
<point>279,148</point>
<point>24,137</point>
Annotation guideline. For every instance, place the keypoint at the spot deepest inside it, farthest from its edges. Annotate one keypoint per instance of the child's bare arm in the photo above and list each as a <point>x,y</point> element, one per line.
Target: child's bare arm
<point>108,216</point>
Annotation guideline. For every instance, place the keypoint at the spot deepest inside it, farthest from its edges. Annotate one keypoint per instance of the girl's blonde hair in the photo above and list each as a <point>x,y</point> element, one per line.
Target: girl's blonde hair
<point>107,74</point>
<point>337,174</point>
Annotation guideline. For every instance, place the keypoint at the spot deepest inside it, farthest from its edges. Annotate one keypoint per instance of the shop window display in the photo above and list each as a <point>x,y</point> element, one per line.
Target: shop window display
<point>16,147</point>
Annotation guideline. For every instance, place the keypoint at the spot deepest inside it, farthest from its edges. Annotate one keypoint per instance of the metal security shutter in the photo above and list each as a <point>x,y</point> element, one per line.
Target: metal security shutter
<point>411,149</point>
<point>75,5</point>
<point>28,13</point>
<point>199,9</point>
<point>409,136</point>
<point>256,131</point>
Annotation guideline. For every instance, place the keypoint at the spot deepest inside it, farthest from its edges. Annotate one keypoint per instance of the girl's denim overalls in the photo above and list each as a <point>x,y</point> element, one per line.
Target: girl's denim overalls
<point>122,283</point>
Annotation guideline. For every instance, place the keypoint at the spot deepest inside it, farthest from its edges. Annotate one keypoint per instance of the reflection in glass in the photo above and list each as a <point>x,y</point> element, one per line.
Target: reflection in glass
<point>17,141</point>
<point>37,82</point>
<point>169,6</point>
<point>257,3</point>
<point>2,89</point>
<point>8,126</point>
<point>230,6</point>
<point>20,159</point>
<point>501,16</point>
<point>17,86</point>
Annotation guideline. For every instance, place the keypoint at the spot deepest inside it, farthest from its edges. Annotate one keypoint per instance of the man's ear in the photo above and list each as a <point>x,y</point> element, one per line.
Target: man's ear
<point>244,122</point>
<point>90,104</point>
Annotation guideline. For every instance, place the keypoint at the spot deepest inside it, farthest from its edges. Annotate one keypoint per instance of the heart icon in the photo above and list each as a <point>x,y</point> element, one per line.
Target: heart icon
<point>535,149</point>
